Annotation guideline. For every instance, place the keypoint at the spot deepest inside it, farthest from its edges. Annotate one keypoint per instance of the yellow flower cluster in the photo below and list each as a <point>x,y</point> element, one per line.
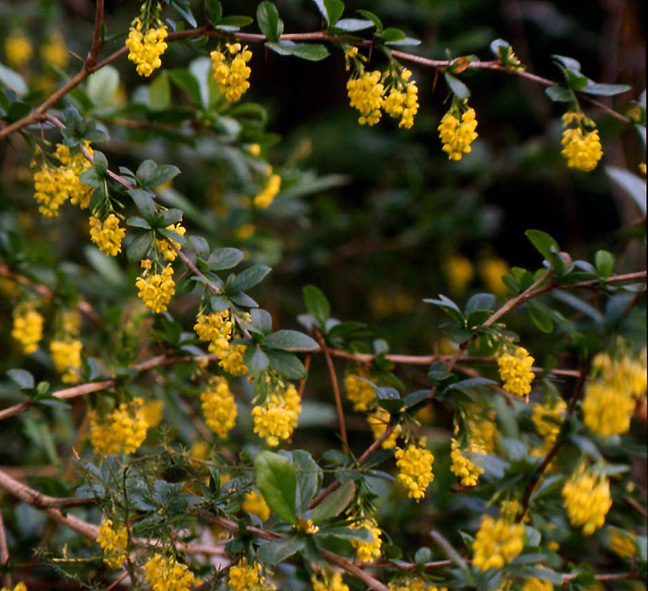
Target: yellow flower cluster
<point>255,503</point>
<point>55,52</point>
<point>366,95</point>
<point>497,543</point>
<point>165,248</point>
<point>491,271</point>
<point>610,400</point>
<point>218,406</point>
<point>587,500</point>
<point>415,469</point>
<point>367,551</point>
<point>153,412</point>
<point>509,509</point>
<point>276,418</point>
<point>157,289</point>
<point>414,584</point>
<point>113,542</point>
<point>457,136</point>
<point>121,431</point>
<point>53,186</point>
<point>548,419</point>
<point>623,543</point>
<point>537,585</point>
<point>216,328</point>
<point>360,393</point>
<point>483,431</point>
<point>328,581</point>
<point>462,467</point>
<point>27,329</point>
<point>378,421</point>
<point>459,273</point>
<point>18,50</point>
<point>19,587</point>
<point>403,102</point>
<point>66,356</point>
<point>515,371</point>
<point>167,574</point>
<point>231,71</point>
<point>232,361</point>
<point>246,577</point>
<point>107,235</point>
<point>267,195</point>
<point>581,148</point>
<point>146,48</point>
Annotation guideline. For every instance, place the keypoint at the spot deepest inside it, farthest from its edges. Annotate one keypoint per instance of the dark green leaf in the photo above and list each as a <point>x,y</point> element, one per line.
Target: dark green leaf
<point>309,478</point>
<point>460,90</point>
<point>21,377</point>
<point>286,364</point>
<point>290,339</point>
<point>353,24</point>
<point>373,18</point>
<point>317,304</point>
<point>313,52</point>
<point>139,247</point>
<point>472,383</point>
<point>275,477</point>
<point>237,21</point>
<point>214,11</point>
<point>186,81</point>
<point>184,8</point>
<point>255,358</point>
<point>335,503</point>
<point>605,89</point>
<point>540,316</point>
<point>269,22</point>
<point>224,258</point>
<point>276,551</point>
<point>480,301</point>
<point>543,243</point>
<point>604,263</point>
<point>248,278</point>
<point>559,94</point>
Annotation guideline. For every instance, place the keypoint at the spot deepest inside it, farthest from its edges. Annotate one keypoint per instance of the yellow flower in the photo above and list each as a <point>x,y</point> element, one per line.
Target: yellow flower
<point>276,418</point>
<point>66,356</point>
<point>153,413</point>
<point>265,198</point>
<point>378,421</point>
<point>107,235</point>
<point>462,467</point>
<point>537,585</point>
<point>27,329</point>
<point>548,419</point>
<point>167,574</point>
<point>232,361</point>
<point>413,584</point>
<point>587,500</point>
<point>55,52</point>
<point>510,508</point>
<point>121,431</point>
<point>18,50</point>
<point>415,469</point>
<point>366,95</point>
<point>403,102</point>
<point>19,587</point>
<point>146,48</point>
<point>231,71</point>
<point>255,503</point>
<point>497,543</point>
<point>218,406</point>
<point>73,165</point>
<point>113,542</point>
<point>359,392</point>
<point>457,136</point>
<point>156,290</point>
<point>459,273</point>
<point>623,543</point>
<point>165,248</point>
<point>515,371</point>
<point>491,271</point>
<point>367,551</point>
<point>254,150</point>
<point>328,581</point>
<point>581,148</point>
<point>216,328</point>
<point>49,190</point>
<point>246,577</point>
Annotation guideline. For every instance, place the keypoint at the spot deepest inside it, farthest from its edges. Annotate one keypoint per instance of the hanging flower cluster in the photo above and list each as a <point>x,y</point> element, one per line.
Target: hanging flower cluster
<point>248,577</point>
<point>581,142</point>
<point>378,421</point>
<point>360,393</point>
<point>547,419</point>
<point>323,580</point>
<point>66,356</point>
<point>231,70</point>
<point>611,393</point>
<point>18,50</point>
<point>276,418</point>
<point>266,196</point>
<point>457,130</point>
<point>587,500</point>
<point>413,584</point>
<point>113,542</point>
<point>515,371</point>
<point>497,543</point>
<point>155,289</point>
<point>121,431</point>
<point>368,551</point>
<point>165,248</point>
<point>27,328</point>
<point>167,574</point>
<point>415,469</point>
<point>107,234</point>
<point>146,45</point>
<point>255,503</point>
<point>218,406</point>
<point>54,185</point>
<point>217,329</point>
<point>462,466</point>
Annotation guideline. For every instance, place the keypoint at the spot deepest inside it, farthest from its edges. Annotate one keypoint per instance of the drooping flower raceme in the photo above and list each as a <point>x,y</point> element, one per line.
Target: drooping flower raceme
<point>415,469</point>
<point>218,406</point>
<point>276,419</point>
<point>581,142</point>
<point>121,431</point>
<point>515,371</point>
<point>463,467</point>
<point>587,500</point>
<point>378,421</point>
<point>165,248</point>
<point>366,95</point>
<point>27,329</point>
<point>368,551</point>
<point>255,503</point>
<point>358,391</point>
<point>457,134</point>
<point>270,190</point>
<point>66,356</point>
<point>402,100</point>
<point>156,289</point>
<point>231,70</point>
<point>167,574</point>
<point>497,543</point>
<point>248,577</point>
<point>145,47</point>
<point>107,234</point>
<point>328,581</point>
<point>113,541</point>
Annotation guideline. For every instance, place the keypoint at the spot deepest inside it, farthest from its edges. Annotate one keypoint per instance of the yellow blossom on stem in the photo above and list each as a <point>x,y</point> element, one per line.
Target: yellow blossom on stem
<point>537,585</point>
<point>248,577</point>
<point>462,467</point>
<point>255,503</point>
<point>378,421</point>
<point>276,418</point>
<point>328,581</point>
<point>515,371</point>
<point>153,412</point>
<point>18,50</point>
<point>146,47</point>
<point>548,419</point>
<point>497,543</point>
<point>107,235</point>
<point>66,356</point>
<point>231,70</point>
<point>359,392</point>
<point>413,584</point>
<point>587,500</point>
<point>232,361</point>
<point>415,469</point>
<point>156,290</point>
<point>113,542</point>
<point>267,195</point>
<point>581,144</point>
<point>622,543</point>
<point>55,52</point>
<point>366,95</point>
<point>216,328</point>
<point>403,101</point>
<point>18,587</point>
<point>367,551</point>
<point>121,431</point>
<point>218,406</point>
<point>167,574</point>
<point>166,250</point>
<point>27,329</point>
<point>458,135</point>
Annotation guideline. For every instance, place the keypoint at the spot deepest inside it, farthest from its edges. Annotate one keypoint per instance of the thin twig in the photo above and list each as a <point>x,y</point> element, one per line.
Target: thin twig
<point>336,391</point>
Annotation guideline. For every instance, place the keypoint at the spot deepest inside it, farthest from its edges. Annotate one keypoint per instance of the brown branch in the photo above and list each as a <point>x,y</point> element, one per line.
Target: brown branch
<point>4,551</point>
<point>336,391</point>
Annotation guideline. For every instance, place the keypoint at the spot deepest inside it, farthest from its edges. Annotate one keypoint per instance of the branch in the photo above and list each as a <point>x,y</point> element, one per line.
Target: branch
<point>336,391</point>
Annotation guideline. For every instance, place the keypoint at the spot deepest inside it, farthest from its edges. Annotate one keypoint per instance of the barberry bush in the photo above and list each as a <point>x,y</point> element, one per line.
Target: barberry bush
<point>401,348</point>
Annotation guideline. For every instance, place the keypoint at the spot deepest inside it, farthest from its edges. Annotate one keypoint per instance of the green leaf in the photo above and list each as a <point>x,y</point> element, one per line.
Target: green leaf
<point>214,11</point>
<point>99,163</point>
<point>351,25</point>
<point>13,80</point>
<point>480,301</point>
<point>18,110</point>
<point>139,247</point>
<point>543,243</point>
<point>224,258</point>
<point>160,92</point>
<point>460,90</point>
<point>255,358</point>
<point>309,478</point>
<point>392,34</point>
<point>335,503</point>
<point>275,477</point>
<point>472,383</point>
<point>261,320</point>
<point>144,203</point>
<point>290,339</point>
<point>604,89</point>
<point>184,8</point>
<point>102,85</point>
<point>540,316</point>
<point>559,94</point>
<point>373,18</point>
<point>361,534</point>
<point>269,22</point>
<point>187,82</point>
<point>449,307</point>
<point>236,21</point>
<point>21,377</point>
<point>313,52</point>
<point>331,10</point>
<point>151,174</point>
<point>317,304</point>
<point>248,278</point>
<point>276,551</point>
<point>286,364</point>
<point>634,186</point>
<point>567,62</point>
<point>604,263</point>
<point>497,44</point>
